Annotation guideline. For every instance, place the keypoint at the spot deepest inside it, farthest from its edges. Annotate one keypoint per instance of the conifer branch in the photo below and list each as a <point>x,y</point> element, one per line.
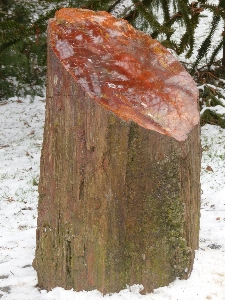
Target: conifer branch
<point>207,42</point>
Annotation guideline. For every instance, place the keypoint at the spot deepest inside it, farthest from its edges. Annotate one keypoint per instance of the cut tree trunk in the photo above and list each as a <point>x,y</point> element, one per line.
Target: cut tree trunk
<point>119,203</point>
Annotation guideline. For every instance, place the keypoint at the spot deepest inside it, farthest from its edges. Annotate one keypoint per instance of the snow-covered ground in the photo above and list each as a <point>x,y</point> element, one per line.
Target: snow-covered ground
<point>21,125</point>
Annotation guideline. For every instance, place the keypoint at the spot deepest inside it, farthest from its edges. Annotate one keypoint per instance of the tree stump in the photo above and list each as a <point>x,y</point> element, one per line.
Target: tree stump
<point>119,190</point>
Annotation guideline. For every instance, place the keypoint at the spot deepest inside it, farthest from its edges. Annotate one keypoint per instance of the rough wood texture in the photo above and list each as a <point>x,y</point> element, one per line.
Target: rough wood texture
<point>119,203</point>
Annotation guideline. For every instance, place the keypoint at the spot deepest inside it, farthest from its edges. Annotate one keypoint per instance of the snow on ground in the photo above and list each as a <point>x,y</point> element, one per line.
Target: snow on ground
<point>21,124</point>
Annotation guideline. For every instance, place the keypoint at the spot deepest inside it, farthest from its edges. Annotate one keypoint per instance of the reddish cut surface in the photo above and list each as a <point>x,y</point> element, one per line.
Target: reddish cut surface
<point>126,71</point>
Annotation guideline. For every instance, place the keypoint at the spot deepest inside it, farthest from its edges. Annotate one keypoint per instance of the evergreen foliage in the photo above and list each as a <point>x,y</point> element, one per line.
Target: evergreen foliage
<point>212,99</point>
<point>218,15</point>
<point>22,48</point>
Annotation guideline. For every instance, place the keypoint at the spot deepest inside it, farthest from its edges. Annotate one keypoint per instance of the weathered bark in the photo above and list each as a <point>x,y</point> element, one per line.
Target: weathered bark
<point>119,203</point>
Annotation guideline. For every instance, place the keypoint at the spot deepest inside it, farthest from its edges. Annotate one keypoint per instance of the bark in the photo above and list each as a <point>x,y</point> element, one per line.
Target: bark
<point>119,204</point>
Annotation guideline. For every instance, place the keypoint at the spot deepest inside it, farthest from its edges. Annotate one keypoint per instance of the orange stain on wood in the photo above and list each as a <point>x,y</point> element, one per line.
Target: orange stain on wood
<point>126,71</point>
